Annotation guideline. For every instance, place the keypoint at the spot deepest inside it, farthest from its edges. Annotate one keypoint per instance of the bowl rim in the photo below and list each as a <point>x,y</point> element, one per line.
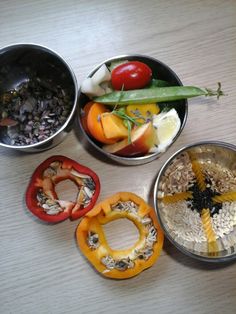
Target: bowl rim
<point>182,249</point>
<point>75,83</point>
<point>148,157</point>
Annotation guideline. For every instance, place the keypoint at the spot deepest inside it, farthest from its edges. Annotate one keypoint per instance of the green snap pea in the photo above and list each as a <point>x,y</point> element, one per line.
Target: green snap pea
<point>156,94</point>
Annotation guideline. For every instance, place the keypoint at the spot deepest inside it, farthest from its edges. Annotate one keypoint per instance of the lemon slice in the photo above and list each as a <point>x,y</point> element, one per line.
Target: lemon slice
<point>167,125</point>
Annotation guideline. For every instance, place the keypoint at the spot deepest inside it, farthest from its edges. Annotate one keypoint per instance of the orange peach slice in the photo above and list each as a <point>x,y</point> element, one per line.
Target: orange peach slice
<point>113,126</point>
<point>142,139</point>
<point>94,123</point>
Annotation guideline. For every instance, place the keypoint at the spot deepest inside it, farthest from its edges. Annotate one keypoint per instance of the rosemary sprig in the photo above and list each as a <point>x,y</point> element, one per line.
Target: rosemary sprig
<point>138,115</point>
<point>121,94</point>
<point>121,114</point>
<point>128,124</point>
<point>127,120</point>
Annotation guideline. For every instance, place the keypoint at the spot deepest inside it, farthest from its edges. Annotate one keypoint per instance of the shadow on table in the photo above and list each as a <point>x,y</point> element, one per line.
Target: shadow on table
<point>187,261</point>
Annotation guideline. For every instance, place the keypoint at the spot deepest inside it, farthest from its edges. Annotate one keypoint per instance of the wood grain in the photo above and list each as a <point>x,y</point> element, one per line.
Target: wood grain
<point>41,268</point>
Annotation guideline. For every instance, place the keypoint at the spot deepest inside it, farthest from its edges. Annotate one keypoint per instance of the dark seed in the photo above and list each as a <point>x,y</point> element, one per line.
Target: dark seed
<point>4,114</point>
<point>39,108</point>
<point>203,199</point>
<point>36,118</point>
<point>50,120</point>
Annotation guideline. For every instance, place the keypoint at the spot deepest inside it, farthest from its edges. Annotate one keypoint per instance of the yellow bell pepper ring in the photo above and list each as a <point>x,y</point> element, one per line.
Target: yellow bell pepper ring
<point>120,264</point>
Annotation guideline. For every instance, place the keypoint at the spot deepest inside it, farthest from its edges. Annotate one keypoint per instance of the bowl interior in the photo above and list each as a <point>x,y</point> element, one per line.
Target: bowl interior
<point>23,63</point>
<point>195,199</point>
<point>160,71</point>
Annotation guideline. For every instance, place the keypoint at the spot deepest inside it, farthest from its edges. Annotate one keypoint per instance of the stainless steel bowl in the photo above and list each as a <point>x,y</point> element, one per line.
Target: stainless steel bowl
<point>17,64</point>
<point>160,71</point>
<point>208,235</point>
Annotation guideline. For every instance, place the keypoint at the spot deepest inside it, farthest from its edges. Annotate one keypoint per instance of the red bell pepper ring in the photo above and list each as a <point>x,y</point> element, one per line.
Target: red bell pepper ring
<point>42,199</point>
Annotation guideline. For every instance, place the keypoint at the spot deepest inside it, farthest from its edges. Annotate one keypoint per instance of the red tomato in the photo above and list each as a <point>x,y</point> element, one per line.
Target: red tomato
<point>131,75</point>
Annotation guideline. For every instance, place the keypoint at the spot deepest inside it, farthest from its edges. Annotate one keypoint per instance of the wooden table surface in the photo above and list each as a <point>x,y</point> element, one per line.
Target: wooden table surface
<point>41,268</point>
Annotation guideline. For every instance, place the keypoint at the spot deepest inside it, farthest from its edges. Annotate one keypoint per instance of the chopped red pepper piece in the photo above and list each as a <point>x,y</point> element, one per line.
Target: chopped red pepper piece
<point>42,199</point>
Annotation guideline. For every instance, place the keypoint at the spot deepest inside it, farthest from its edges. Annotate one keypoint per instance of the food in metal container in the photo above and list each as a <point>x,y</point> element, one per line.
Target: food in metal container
<point>130,112</point>
<point>197,202</point>
<point>34,111</point>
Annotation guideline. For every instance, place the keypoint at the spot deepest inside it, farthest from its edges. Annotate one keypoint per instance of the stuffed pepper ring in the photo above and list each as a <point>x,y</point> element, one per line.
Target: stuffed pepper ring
<point>120,264</point>
<point>42,199</point>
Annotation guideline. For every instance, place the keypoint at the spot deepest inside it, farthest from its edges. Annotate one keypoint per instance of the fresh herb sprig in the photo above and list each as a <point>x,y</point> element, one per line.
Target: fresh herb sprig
<point>127,120</point>
<point>121,114</point>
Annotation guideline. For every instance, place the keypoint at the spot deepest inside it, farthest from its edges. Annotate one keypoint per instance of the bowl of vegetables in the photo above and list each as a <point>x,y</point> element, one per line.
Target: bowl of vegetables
<point>132,108</point>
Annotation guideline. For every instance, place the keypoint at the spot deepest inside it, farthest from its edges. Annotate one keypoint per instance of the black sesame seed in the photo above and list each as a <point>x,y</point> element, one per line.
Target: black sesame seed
<point>203,199</point>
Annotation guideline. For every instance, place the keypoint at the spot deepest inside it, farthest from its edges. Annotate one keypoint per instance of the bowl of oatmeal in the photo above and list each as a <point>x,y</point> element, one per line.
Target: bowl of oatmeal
<point>195,200</point>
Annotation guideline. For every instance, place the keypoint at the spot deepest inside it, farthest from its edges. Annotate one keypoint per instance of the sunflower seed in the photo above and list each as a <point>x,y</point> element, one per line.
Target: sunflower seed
<point>93,240</point>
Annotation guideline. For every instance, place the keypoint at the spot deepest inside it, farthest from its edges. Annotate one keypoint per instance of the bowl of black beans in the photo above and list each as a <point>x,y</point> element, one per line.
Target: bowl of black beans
<point>195,200</point>
<point>38,97</point>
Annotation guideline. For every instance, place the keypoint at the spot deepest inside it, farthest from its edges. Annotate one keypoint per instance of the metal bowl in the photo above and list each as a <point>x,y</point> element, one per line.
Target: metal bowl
<point>18,64</point>
<point>201,224</point>
<point>160,71</point>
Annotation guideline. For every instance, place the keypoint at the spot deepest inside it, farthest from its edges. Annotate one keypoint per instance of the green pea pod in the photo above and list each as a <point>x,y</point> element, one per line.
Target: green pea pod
<point>156,94</point>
